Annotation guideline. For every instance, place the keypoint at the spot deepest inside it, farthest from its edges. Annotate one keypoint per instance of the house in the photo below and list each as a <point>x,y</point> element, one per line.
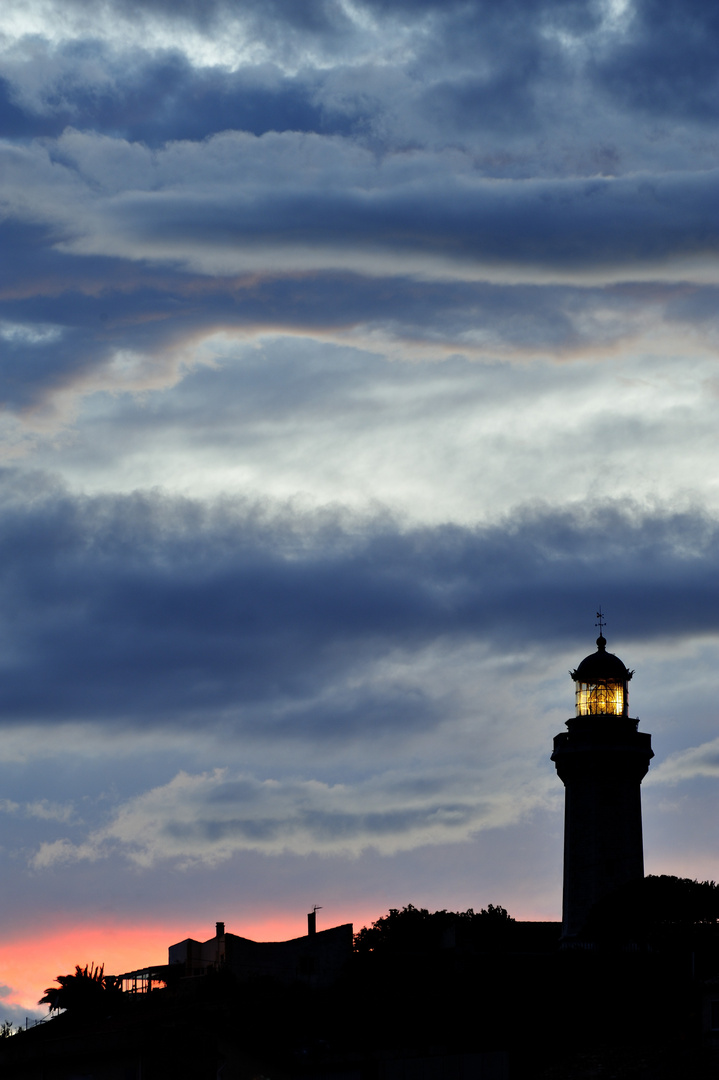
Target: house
<point>315,959</point>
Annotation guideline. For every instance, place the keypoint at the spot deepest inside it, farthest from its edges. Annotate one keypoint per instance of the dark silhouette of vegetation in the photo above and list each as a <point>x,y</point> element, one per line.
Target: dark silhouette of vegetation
<point>433,979</point>
<point>86,990</point>
<point>658,912</point>
<point>6,1029</point>
<point>412,930</point>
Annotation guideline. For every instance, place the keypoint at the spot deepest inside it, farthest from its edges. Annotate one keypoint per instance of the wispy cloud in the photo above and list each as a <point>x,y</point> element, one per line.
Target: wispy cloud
<point>209,818</point>
<point>688,764</point>
<point>41,809</point>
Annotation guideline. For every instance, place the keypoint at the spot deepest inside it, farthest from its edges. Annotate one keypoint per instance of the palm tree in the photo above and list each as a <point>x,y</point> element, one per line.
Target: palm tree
<point>84,991</point>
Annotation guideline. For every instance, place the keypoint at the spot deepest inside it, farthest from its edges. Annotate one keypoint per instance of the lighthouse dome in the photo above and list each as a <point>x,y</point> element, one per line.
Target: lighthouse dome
<point>601,665</point>
<point>601,680</point>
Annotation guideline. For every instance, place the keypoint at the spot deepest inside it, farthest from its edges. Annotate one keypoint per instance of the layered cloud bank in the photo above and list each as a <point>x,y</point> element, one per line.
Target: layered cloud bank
<point>435,178</point>
<point>301,201</point>
<point>149,609</point>
<point>351,354</point>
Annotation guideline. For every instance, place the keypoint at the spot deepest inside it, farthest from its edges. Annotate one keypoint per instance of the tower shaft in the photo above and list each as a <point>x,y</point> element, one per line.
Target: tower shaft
<point>601,760</point>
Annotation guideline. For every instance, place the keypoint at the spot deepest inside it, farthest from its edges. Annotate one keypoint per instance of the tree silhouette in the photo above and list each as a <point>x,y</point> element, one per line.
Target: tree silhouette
<point>412,929</point>
<point>658,910</point>
<point>85,991</point>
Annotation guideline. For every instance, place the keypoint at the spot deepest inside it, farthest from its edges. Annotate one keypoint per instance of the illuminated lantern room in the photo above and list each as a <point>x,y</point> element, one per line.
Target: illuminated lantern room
<point>601,680</point>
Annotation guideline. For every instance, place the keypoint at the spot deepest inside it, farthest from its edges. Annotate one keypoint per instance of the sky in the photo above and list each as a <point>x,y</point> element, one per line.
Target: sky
<point>352,354</point>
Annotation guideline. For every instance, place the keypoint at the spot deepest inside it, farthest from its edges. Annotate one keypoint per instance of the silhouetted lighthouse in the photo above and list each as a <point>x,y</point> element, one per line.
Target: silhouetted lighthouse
<point>601,760</point>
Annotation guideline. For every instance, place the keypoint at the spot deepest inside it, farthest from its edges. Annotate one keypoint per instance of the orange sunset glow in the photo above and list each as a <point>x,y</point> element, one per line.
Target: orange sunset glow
<point>32,963</point>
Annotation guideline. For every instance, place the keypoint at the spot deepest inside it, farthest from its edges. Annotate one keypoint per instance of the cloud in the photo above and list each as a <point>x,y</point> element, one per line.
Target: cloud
<point>42,809</point>
<point>688,764</point>
<point>129,259</point>
<point>211,817</point>
<point>29,335</point>
<point>415,179</point>
<point>155,98</point>
<point>663,59</point>
<point>145,336</point>
<point>238,203</point>
<point>150,609</point>
<point>209,34</point>
<point>526,76</point>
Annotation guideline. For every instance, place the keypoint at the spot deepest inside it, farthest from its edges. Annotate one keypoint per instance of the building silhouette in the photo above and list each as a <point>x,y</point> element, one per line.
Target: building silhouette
<point>317,959</point>
<point>601,760</point>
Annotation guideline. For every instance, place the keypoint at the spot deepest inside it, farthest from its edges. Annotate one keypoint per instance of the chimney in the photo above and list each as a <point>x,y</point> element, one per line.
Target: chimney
<point>219,929</point>
<point>312,922</point>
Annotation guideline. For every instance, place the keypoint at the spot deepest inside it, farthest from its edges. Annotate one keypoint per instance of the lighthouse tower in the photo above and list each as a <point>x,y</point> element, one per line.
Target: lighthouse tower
<point>601,760</point>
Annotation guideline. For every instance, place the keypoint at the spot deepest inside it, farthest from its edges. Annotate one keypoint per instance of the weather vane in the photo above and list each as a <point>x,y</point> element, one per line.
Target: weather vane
<point>602,622</point>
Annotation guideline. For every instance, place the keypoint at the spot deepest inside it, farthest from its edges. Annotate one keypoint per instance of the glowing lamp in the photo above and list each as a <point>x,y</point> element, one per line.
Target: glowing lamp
<point>601,684</point>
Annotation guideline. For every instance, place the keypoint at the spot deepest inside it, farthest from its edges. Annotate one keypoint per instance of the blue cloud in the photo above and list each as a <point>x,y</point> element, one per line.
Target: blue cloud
<point>158,97</point>
<point>664,63</point>
<point>164,609</point>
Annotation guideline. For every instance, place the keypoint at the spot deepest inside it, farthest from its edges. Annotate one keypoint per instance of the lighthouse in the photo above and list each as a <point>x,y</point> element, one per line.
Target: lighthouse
<point>601,759</point>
